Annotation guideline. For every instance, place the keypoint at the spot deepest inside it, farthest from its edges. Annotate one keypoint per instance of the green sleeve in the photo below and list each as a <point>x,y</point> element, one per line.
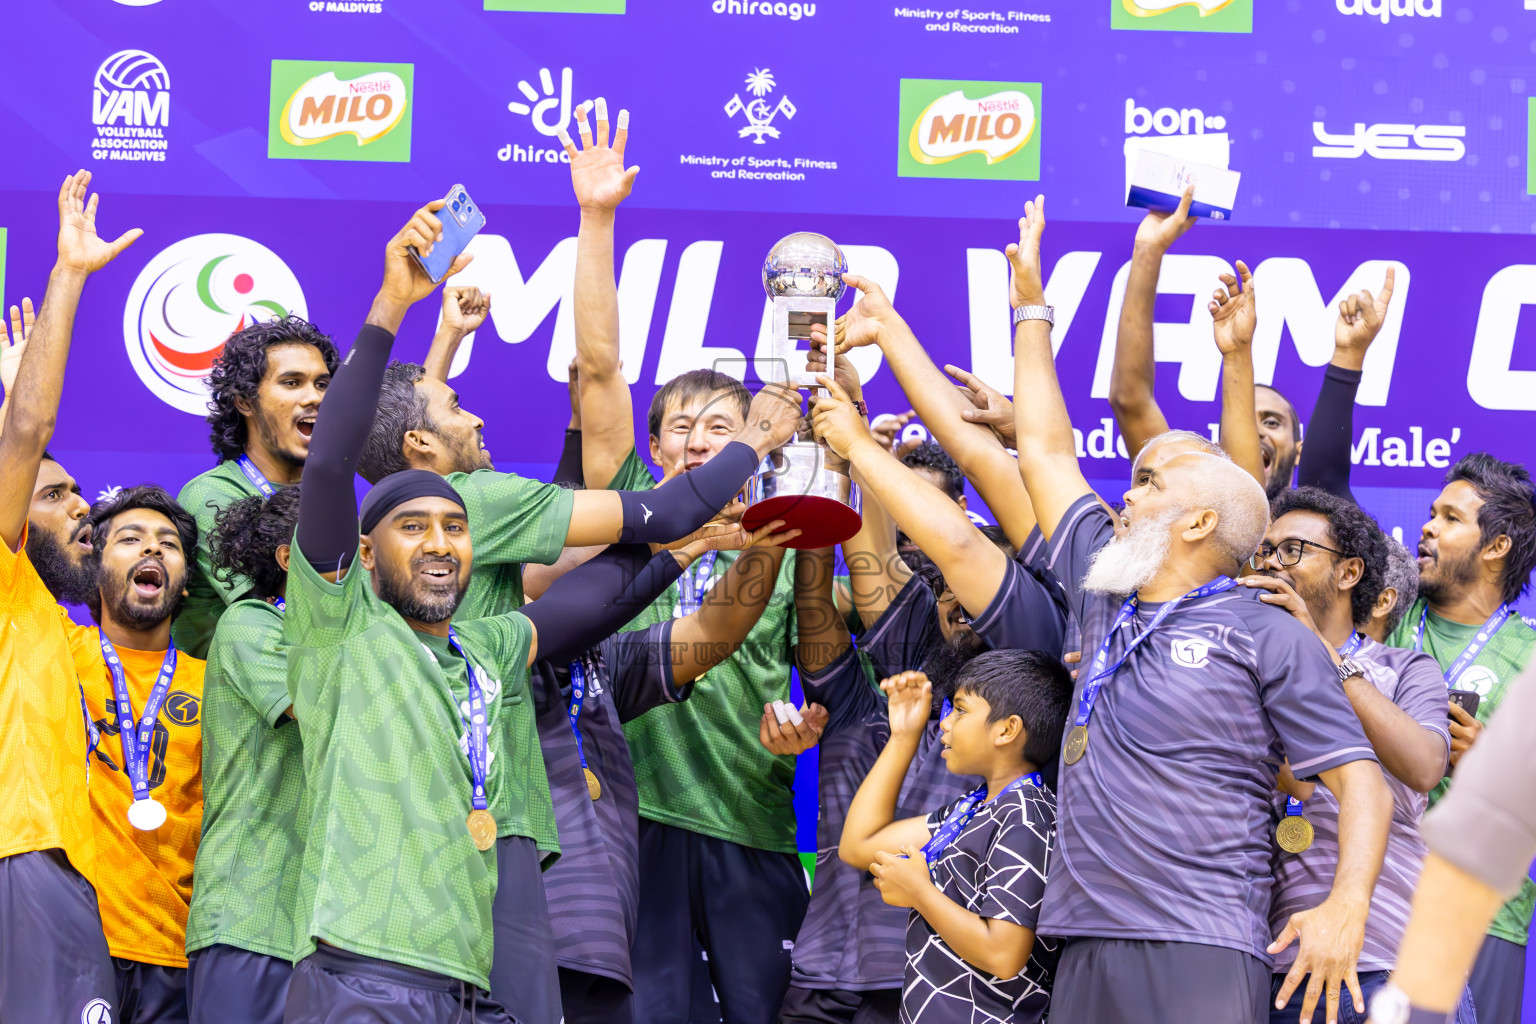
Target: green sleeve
<point>513,519</point>
<point>207,595</point>
<point>247,653</point>
<point>321,614</point>
<point>506,639</point>
<point>633,475</point>
<point>1402,636</point>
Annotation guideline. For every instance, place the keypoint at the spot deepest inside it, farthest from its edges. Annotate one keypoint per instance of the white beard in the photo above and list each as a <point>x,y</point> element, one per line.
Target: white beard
<point>1131,560</point>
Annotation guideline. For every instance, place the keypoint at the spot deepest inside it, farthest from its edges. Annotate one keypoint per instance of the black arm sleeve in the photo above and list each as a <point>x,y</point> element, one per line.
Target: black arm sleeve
<point>568,472</point>
<point>595,599</point>
<point>327,530</point>
<point>686,502</point>
<point>1331,431</point>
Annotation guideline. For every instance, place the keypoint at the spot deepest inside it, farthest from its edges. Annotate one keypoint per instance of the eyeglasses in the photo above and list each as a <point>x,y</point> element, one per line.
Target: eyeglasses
<point>1288,552</point>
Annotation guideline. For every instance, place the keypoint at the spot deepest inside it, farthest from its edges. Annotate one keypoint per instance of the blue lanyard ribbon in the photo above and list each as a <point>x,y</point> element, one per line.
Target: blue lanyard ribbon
<point>1465,659</point>
<point>136,735</point>
<point>965,810</point>
<point>255,476</point>
<point>280,604</point>
<point>92,734</point>
<point>1102,670</point>
<point>693,584</point>
<point>1292,807</point>
<point>479,742</point>
<point>578,695</point>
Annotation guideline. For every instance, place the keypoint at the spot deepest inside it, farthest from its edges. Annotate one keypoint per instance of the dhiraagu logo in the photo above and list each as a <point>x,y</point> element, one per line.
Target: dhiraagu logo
<point>954,129</point>
<point>340,110</point>
<point>1182,15</point>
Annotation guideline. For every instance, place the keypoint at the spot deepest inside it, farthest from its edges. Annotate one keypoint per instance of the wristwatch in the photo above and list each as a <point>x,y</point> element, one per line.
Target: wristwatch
<point>1390,1005</point>
<point>1349,667</point>
<point>1046,313</point>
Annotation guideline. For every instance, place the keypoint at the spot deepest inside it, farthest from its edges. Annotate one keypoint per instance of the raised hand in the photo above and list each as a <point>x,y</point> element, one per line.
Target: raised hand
<point>989,406</point>
<point>772,419</point>
<point>404,280</point>
<point>597,169</point>
<point>1026,284</point>
<point>1234,308</point>
<point>13,343</point>
<point>835,419</point>
<point>845,373</point>
<point>80,248</point>
<point>909,697</point>
<point>1360,318</point>
<point>465,309</point>
<point>1158,230</point>
<point>887,427</point>
<point>861,325</point>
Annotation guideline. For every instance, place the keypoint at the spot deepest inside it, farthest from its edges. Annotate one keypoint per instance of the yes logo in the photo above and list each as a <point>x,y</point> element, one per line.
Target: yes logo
<point>340,110</point>
<point>189,299</point>
<point>1182,15</point>
<point>1190,653</point>
<point>954,129</point>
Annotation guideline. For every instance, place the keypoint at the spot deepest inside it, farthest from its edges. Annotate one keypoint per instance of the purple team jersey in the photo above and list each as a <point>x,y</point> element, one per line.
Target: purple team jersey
<point>593,889</point>
<point>1413,682</point>
<point>1164,828</point>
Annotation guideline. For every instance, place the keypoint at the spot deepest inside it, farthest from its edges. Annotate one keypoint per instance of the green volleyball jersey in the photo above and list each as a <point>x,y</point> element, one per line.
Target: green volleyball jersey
<point>207,597</point>
<point>252,845</point>
<point>699,763</point>
<point>390,870</point>
<point>513,520</point>
<point>1491,672</point>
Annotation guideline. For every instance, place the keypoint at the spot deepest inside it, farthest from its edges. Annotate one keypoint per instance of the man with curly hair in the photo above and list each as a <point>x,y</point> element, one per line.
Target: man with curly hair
<point>1325,561</point>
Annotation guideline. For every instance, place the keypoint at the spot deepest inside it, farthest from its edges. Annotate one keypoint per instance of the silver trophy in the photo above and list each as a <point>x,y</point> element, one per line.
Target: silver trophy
<point>804,483</point>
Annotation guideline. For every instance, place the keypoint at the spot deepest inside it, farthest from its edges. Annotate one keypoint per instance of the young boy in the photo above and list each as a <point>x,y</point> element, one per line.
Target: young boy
<point>973,872</point>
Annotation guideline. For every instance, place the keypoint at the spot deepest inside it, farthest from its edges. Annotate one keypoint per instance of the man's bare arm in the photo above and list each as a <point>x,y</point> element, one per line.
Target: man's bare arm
<point>876,573</point>
<point>1134,373</point>
<point>1047,450</point>
<point>32,413</point>
<point>601,183</point>
<point>464,310</point>
<point>1234,311</point>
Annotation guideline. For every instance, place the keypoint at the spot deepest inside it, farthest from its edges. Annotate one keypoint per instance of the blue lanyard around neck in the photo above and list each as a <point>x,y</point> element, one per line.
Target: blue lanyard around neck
<point>479,737</point>
<point>1465,659</point>
<point>965,810</point>
<point>693,584</point>
<point>137,735</point>
<point>578,695</point>
<point>255,476</point>
<point>1102,670</point>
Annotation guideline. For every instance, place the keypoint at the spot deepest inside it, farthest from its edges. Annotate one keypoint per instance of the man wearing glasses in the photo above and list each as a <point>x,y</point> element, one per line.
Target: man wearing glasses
<point>1324,560</point>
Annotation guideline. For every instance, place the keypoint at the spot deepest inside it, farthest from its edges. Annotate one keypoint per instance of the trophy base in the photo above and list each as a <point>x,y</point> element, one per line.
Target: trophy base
<point>822,522</point>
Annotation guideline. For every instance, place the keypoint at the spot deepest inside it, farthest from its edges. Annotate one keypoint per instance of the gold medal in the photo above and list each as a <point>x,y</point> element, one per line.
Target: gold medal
<point>594,788</point>
<point>482,829</point>
<point>1076,745</point>
<point>1294,833</point>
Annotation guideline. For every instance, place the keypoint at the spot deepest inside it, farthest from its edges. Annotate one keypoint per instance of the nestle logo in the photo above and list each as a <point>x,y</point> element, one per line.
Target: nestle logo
<point>368,85</point>
<point>993,105</point>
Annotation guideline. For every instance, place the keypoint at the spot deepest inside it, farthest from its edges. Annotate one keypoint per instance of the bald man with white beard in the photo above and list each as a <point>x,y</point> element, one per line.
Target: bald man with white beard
<point>1189,695</point>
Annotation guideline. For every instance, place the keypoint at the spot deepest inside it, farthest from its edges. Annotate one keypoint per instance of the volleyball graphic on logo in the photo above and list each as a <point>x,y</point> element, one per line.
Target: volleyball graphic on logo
<point>189,299</point>
<point>131,69</point>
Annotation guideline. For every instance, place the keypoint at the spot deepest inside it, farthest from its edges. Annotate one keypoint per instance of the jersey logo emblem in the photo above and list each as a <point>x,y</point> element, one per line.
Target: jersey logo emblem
<point>647,512</point>
<point>97,1011</point>
<point>1190,653</point>
<point>1478,678</point>
<point>182,708</point>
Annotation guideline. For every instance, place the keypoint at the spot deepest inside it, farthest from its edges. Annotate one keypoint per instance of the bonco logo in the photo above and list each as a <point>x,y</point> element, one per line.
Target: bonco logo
<point>189,299</point>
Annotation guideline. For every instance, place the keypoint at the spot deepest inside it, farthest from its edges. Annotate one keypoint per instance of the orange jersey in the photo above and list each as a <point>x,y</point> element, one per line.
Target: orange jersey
<point>144,879</point>
<point>43,802</point>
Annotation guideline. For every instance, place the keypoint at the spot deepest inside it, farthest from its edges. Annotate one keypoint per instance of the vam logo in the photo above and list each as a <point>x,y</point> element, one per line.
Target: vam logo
<point>760,113</point>
<point>1190,653</point>
<point>1434,142</point>
<point>1141,120</point>
<point>189,299</point>
<point>340,110</point>
<point>131,107</point>
<point>1182,15</point>
<point>954,129</point>
<point>1386,10</point>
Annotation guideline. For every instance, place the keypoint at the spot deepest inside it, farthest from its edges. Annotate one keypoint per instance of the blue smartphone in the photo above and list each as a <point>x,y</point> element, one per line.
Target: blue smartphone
<point>462,220</point>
